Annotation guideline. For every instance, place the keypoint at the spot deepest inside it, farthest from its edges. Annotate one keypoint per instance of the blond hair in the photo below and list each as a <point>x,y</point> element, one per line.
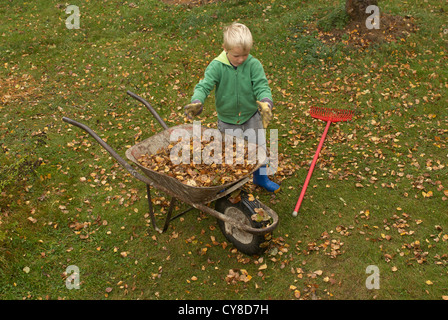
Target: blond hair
<point>237,35</point>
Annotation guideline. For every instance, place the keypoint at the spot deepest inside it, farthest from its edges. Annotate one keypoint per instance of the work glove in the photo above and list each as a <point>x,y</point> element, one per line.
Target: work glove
<point>265,111</point>
<point>193,109</point>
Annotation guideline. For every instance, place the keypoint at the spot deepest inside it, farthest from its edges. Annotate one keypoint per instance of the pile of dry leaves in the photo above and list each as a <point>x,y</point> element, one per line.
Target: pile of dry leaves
<point>204,174</point>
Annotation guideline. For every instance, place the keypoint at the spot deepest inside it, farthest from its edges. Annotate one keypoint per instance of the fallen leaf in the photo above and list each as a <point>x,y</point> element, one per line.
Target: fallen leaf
<point>427,194</point>
<point>263,267</point>
<point>32,219</point>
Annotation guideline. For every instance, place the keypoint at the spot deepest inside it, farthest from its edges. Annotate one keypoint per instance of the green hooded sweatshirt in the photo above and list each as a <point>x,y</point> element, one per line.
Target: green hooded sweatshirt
<point>237,89</point>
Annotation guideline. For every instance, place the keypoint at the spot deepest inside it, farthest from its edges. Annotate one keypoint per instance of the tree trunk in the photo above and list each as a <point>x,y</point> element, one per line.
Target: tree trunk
<point>356,9</point>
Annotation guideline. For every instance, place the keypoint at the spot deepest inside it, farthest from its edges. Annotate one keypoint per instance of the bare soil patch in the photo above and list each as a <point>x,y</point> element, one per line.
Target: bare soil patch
<point>190,3</point>
<point>392,28</point>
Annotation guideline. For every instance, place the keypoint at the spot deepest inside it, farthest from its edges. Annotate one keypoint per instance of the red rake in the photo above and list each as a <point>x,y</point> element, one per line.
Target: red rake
<point>326,114</point>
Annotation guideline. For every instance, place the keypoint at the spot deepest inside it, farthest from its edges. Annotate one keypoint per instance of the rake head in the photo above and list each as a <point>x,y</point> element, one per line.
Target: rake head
<point>331,114</point>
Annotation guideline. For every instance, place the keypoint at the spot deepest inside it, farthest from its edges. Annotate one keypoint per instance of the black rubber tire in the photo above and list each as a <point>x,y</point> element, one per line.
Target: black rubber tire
<point>247,243</point>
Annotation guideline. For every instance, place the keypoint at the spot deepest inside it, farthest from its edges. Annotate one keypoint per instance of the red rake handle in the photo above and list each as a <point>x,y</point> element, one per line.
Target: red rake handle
<point>310,171</point>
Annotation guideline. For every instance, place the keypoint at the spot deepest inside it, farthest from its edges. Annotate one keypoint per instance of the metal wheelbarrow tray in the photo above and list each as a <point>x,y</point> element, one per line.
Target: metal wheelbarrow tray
<point>234,219</point>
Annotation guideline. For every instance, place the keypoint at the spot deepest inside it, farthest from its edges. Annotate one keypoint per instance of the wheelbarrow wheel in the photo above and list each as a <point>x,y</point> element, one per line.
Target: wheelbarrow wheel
<point>242,211</point>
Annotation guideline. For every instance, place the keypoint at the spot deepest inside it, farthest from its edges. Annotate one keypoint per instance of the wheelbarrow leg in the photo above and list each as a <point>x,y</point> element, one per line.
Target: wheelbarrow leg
<point>168,216</point>
<point>151,210</point>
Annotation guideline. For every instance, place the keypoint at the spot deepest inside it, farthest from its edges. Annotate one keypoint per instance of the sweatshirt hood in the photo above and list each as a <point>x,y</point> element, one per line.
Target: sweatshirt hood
<point>223,58</point>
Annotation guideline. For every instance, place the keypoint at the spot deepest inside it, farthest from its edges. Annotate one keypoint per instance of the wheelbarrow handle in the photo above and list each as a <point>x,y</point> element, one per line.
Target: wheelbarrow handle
<point>150,108</point>
<point>112,152</point>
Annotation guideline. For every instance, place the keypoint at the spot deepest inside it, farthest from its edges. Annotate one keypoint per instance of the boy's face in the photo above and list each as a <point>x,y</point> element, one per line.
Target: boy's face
<point>237,55</point>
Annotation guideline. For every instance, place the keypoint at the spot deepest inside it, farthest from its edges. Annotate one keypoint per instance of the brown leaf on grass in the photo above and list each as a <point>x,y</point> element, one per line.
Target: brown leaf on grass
<point>237,275</point>
<point>296,291</point>
<point>77,225</point>
<point>33,220</point>
<point>428,194</point>
<point>263,267</point>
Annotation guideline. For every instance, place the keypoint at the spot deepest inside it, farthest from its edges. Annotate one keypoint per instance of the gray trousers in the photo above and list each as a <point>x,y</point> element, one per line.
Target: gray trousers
<point>252,130</point>
<point>244,130</point>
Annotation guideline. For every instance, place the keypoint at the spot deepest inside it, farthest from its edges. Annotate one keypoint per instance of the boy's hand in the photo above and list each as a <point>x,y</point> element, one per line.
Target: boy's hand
<point>193,109</point>
<point>266,113</point>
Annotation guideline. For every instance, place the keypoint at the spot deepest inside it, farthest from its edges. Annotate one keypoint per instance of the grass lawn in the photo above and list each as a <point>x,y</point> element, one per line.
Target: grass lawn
<point>378,195</point>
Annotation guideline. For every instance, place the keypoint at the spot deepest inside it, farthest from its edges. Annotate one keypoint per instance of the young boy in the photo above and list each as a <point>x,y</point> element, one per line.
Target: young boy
<point>241,88</point>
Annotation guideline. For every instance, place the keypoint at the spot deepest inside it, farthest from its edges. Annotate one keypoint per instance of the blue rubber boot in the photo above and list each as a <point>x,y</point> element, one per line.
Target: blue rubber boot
<point>262,180</point>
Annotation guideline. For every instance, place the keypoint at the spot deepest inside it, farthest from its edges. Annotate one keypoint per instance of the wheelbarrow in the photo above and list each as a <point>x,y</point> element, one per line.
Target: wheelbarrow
<point>235,218</point>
